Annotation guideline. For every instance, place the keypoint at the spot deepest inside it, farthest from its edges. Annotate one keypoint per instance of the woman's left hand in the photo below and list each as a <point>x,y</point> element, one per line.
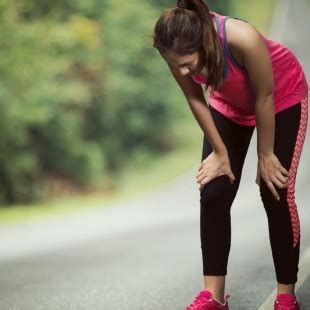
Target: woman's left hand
<point>273,173</point>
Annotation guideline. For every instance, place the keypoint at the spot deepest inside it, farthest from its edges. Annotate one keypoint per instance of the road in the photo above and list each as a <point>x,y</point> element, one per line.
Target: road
<point>144,253</point>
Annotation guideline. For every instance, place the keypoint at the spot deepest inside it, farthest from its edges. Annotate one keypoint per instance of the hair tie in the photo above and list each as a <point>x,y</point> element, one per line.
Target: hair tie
<point>185,5</point>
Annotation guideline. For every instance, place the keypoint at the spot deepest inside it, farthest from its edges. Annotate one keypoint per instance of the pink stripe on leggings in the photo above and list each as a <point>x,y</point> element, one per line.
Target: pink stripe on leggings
<point>293,171</point>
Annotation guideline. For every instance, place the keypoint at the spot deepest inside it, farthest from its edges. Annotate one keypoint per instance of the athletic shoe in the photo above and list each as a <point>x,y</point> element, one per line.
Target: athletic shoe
<point>205,301</point>
<point>286,302</point>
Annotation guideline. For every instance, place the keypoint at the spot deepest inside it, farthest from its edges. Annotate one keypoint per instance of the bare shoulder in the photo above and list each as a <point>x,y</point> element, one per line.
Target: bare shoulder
<point>243,39</point>
<point>241,34</point>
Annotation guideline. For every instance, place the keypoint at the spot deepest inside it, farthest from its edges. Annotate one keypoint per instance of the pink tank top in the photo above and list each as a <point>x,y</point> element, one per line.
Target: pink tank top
<point>236,99</point>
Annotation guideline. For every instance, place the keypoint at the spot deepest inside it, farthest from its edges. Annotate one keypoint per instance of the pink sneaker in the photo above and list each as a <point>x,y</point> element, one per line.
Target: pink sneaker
<point>286,302</point>
<point>205,301</point>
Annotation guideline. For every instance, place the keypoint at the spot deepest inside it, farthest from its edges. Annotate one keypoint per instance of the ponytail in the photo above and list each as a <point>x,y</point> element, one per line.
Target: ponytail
<point>187,29</point>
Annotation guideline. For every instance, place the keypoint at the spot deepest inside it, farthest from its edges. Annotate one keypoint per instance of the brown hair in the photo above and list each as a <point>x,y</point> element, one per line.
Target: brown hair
<point>186,31</point>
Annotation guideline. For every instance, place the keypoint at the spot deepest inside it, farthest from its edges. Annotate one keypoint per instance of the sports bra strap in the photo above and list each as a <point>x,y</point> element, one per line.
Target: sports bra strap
<point>227,51</point>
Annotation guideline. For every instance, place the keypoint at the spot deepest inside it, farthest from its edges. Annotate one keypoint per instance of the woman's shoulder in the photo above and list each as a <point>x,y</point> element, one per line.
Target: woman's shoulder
<point>239,31</point>
<point>240,36</point>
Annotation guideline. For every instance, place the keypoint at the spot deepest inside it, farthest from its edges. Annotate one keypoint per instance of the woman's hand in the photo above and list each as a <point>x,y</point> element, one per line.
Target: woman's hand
<point>273,173</point>
<point>213,166</point>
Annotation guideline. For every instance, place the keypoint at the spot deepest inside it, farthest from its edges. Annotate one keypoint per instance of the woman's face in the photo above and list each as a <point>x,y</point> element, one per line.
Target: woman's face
<point>186,65</point>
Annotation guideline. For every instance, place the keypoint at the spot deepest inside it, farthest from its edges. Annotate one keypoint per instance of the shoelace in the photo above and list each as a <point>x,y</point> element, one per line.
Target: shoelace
<point>286,304</point>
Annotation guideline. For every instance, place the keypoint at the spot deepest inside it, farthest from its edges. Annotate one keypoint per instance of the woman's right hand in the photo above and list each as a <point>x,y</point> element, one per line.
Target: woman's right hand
<point>213,166</point>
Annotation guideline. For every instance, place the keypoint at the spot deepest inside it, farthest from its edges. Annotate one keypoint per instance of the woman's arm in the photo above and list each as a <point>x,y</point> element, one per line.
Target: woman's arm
<point>198,105</point>
<point>249,44</point>
<point>255,57</point>
<point>217,163</point>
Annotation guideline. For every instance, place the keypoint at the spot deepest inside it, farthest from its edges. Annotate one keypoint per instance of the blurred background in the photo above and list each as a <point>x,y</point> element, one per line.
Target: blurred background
<point>99,208</point>
<point>89,112</point>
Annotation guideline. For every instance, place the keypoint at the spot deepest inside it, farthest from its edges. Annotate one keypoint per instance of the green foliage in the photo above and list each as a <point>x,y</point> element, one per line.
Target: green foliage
<point>135,86</point>
<point>222,7</point>
<point>52,76</point>
<point>59,9</point>
<point>71,108</point>
<point>83,93</point>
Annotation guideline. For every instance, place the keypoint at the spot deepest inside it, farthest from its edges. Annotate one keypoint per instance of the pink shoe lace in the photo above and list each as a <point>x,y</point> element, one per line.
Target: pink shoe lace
<point>286,302</point>
<point>205,301</point>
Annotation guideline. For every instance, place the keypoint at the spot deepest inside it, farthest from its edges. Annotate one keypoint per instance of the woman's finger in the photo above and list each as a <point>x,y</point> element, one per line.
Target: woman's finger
<point>199,180</point>
<point>201,176</point>
<point>201,164</point>
<point>283,179</point>
<point>207,180</point>
<point>231,176</point>
<point>201,171</point>
<point>273,190</point>
<point>278,183</point>
<point>284,171</point>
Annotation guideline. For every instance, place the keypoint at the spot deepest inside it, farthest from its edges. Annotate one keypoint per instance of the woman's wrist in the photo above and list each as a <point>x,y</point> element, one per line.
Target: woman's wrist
<point>264,153</point>
<point>220,150</point>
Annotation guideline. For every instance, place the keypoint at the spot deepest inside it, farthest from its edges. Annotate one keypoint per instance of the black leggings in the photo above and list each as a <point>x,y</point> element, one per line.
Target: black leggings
<point>218,195</point>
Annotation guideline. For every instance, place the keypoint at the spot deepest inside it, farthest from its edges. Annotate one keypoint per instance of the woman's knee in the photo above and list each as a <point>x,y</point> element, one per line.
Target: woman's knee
<point>270,203</point>
<point>218,190</point>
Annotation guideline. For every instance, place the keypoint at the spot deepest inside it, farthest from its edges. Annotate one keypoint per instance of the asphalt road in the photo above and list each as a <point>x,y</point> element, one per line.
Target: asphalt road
<point>144,253</point>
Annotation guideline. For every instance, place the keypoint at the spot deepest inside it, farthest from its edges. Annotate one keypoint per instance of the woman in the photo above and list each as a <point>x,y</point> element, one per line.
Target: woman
<point>251,81</point>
